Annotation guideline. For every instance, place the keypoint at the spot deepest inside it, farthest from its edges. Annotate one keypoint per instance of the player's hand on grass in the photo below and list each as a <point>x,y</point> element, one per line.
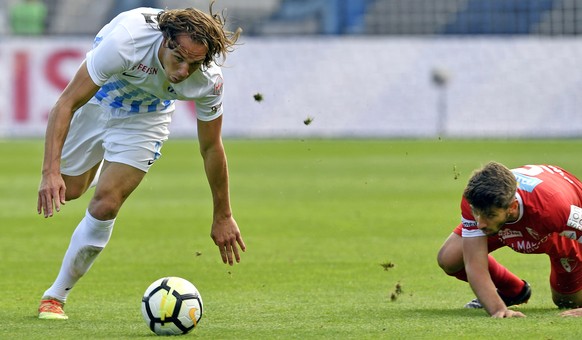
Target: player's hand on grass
<point>51,194</point>
<point>226,236</point>
<point>572,312</point>
<point>508,313</point>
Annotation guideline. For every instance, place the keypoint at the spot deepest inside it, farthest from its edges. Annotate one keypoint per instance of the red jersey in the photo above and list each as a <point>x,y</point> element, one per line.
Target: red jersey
<point>550,220</point>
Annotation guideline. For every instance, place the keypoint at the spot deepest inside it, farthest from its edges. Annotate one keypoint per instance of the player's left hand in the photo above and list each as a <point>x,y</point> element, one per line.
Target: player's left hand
<point>226,236</point>
<point>572,312</point>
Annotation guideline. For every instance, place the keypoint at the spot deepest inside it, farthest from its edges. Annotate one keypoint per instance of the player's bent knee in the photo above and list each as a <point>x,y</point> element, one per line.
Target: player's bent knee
<point>441,260</point>
<point>449,262</point>
<point>104,209</point>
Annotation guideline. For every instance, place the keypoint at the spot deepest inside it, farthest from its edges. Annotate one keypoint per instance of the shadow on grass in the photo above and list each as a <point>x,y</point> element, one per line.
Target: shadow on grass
<point>473,313</point>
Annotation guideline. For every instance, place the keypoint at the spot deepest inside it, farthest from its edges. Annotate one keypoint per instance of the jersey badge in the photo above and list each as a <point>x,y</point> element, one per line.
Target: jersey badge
<point>533,233</point>
<point>575,218</point>
<point>218,86</point>
<point>216,107</point>
<point>571,234</point>
<point>568,264</point>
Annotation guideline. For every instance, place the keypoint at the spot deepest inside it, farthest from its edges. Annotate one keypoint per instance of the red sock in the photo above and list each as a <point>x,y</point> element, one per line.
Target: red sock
<point>506,282</point>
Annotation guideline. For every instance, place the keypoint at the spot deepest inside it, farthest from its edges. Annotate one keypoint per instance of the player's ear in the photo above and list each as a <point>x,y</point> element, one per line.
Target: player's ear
<point>514,206</point>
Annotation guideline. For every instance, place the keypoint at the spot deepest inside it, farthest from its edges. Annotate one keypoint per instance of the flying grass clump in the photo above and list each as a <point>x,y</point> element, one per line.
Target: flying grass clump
<point>387,265</point>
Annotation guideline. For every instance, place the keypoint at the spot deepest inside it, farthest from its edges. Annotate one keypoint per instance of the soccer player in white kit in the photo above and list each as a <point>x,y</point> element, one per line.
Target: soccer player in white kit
<point>115,114</point>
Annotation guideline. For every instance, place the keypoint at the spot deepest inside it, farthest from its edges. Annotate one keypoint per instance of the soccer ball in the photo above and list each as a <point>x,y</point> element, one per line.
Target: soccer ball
<point>171,306</point>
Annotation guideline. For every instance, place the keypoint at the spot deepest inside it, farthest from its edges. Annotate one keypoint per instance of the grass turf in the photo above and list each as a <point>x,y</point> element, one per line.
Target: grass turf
<point>319,218</point>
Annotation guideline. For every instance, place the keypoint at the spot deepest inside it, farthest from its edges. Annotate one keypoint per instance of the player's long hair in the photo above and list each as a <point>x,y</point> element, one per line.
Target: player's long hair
<point>493,186</point>
<point>208,29</point>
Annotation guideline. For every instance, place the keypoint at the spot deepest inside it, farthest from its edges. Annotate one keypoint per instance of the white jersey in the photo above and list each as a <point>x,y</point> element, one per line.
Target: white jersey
<point>124,62</point>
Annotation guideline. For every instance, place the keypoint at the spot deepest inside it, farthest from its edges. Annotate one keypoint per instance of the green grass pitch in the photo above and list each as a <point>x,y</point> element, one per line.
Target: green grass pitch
<point>319,217</point>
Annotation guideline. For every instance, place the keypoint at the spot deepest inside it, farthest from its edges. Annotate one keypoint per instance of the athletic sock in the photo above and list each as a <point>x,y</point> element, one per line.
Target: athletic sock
<point>87,242</point>
<point>505,281</point>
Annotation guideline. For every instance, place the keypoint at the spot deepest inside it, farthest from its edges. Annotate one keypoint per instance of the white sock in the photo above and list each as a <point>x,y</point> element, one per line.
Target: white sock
<point>87,242</point>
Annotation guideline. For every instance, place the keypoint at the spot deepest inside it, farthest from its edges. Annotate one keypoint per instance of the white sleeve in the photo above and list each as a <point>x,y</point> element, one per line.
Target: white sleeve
<point>112,55</point>
<point>210,107</point>
<point>470,228</point>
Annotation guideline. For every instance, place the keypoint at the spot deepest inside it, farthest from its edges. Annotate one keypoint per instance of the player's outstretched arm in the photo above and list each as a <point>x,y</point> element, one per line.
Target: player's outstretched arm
<point>225,231</point>
<point>51,192</point>
<point>475,256</point>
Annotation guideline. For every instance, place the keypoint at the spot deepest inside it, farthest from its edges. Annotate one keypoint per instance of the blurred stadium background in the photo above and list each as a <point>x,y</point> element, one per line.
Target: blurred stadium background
<point>357,68</point>
<point>343,17</point>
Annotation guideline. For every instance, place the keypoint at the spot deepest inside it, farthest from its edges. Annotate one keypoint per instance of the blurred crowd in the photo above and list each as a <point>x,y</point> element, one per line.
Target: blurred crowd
<point>323,17</point>
<point>80,17</point>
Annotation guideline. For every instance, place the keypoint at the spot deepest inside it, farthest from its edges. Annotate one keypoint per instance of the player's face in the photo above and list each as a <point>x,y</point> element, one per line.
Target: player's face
<point>183,60</point>
<point>492,221</point>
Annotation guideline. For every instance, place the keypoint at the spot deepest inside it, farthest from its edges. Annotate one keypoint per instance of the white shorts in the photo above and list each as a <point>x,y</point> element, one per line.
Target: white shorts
<point>95,135</point>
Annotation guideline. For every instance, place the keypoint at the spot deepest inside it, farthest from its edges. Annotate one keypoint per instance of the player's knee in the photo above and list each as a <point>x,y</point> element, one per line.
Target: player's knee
<point>441,260</point>
<point>446,263</point>
<point>567,301</point>
<point>104,208</point>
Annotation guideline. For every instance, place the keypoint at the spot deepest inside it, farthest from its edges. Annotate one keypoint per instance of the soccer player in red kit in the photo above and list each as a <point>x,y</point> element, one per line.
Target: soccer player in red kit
<point>534,209</point>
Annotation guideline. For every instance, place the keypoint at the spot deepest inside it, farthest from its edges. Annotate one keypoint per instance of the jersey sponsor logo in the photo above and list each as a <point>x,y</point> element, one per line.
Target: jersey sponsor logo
<point>575,218</point>
<point>145,69</point>
<point>470,224</point>
<point>526,183</point>
<point>524,246</point>
<point>508,233</point>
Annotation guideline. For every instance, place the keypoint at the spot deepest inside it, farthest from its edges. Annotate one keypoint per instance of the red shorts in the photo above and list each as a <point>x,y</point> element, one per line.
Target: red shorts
<point>565,259</point>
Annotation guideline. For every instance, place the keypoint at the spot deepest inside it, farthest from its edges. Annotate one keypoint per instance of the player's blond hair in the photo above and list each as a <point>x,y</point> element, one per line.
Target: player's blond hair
<point>208,29</point>
<point>492,186</point>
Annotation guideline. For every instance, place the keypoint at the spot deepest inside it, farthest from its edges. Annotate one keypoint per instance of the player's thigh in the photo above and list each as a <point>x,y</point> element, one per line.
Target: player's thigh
<point>116,183</point>
<point>132,144</point>
<point>77,185</point>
